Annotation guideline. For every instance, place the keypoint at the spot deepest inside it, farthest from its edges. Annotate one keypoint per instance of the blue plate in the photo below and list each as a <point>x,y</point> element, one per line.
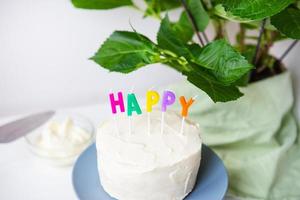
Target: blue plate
<point>212,181</point>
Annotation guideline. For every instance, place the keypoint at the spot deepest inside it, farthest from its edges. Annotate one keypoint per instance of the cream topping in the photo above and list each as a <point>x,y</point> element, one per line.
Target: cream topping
<point>143,151</point>
<point>62,139</point>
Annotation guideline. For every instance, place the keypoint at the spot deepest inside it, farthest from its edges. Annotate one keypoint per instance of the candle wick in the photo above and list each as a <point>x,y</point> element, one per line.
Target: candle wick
<point>131,89</point>
<point>151,88</point>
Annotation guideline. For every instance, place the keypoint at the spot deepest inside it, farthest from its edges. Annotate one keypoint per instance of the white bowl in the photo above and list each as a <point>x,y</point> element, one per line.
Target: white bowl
<point>61,157</point>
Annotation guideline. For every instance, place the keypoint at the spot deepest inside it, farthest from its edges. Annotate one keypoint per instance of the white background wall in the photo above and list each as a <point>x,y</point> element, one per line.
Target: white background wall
<point>44,51</point>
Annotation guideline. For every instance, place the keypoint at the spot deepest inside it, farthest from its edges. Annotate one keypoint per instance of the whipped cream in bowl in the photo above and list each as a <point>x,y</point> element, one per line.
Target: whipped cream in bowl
<point>61,139</point>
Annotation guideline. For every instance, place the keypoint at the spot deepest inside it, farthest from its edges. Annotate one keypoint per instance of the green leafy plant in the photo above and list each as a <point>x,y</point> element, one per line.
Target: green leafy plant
<point>216,67</point>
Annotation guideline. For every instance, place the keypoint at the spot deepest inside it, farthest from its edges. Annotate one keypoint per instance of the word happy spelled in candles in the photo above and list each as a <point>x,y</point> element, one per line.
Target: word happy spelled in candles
<point>152,99</point>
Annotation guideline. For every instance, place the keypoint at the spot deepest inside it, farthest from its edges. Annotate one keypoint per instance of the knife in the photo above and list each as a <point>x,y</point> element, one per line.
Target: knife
<point>16,129</point>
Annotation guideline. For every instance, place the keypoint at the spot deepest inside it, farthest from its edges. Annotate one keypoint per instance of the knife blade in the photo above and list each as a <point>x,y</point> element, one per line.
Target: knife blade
<point>16,129</point>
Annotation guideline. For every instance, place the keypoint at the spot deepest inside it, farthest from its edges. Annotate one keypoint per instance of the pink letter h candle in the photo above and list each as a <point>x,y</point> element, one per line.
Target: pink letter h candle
<point>116,102</point>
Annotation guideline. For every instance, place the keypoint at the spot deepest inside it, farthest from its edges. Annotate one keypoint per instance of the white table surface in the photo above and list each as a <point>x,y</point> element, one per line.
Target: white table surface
<point>25,176</point>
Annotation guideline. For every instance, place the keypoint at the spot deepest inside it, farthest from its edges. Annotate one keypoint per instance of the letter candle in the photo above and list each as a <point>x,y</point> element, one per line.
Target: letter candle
<point>132,106</point>
<point>185,109</point>
<point>167,100</point>
<point>114,103</point>
<point>152,98</point>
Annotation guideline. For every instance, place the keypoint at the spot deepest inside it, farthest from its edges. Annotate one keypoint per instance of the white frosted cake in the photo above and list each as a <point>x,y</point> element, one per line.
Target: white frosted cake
<point>148,165</point>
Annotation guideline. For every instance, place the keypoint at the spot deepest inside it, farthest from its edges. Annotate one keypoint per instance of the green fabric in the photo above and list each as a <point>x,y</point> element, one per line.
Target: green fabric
<point>256,137</point>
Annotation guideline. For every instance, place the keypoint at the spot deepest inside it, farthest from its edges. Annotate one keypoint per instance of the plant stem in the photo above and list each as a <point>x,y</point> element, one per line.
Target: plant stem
<point>261,31</point>
<point>219,29</point>
<point>288,50</point>
<point>193,21</point>
<point>205,37</point>
<point>242,37</point>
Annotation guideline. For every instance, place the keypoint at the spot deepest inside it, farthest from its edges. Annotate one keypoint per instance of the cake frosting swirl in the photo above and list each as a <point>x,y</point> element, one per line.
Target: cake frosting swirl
<point>137,163</point>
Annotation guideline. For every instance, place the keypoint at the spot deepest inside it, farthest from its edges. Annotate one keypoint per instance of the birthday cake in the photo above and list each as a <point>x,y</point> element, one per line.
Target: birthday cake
<point>141,162</point>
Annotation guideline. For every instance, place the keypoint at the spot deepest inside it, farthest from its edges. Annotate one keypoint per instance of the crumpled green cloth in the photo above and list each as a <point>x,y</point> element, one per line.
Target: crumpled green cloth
<point>256,137</point>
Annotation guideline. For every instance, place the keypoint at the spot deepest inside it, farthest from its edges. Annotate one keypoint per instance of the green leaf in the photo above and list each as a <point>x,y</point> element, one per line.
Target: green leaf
<point>219,10</point>
<point>249,52</point>
<point>101,4</point>
<point>243,81</point>
<point>254,9</point>
<point>168,4</point>
<point>215,90</point>
<point>288,22</point>
<point>155,7</point>
<point>225,63</point>
<point>162,5</point>
<point>199,13</point>
<point>168,39</point>
<point>183,28</point>
<point>126,51</point>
